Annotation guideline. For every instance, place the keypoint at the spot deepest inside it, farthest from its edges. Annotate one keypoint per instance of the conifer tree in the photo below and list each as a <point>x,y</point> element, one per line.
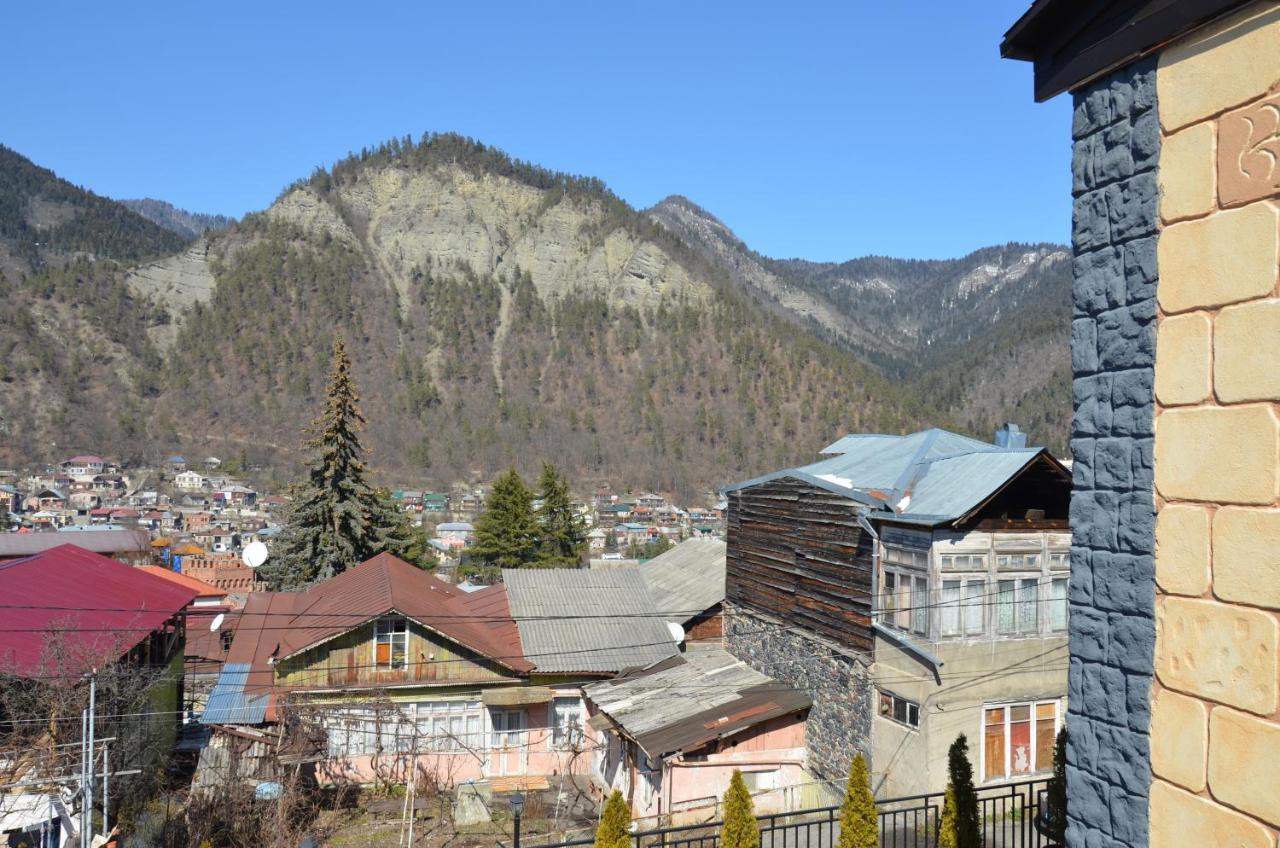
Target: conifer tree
<point>614,830</point>
<point>740,828</point>
<point>966,829</point>
<point>507,533</point>
<point>336,520</point>
<point>564,537</point>
<point>947,826</point>
<point>858,820</point>
<point>1056,794</point>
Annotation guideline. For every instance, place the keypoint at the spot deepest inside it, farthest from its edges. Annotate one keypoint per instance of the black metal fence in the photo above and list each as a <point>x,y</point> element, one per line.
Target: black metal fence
<point>1007,812</point>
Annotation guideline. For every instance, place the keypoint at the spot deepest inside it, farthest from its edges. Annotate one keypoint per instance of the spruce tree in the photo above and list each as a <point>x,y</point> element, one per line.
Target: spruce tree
<point>564,538</point>
<point>858,820</point>
<point>967,829</point>
<point>740,828</point>
<point>336,520</point>
<point>614,830</point>
<point>507,534</point>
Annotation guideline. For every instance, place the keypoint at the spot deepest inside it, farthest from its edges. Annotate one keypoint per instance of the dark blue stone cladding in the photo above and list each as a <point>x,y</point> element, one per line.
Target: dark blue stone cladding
<point>1112,628</point>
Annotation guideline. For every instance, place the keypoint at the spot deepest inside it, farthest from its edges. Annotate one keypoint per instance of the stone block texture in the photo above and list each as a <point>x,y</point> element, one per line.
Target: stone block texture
<point>839,723</point>
<point>1215,734</point>
<point>1115,226</point>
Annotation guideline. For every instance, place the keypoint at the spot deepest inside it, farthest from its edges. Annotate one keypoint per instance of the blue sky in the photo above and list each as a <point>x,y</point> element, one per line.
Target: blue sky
<point>819,130</point>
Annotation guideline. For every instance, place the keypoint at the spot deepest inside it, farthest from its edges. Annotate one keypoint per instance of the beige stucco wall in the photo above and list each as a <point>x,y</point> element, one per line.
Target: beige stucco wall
<point>1215,732</point>
<point>913,762</point>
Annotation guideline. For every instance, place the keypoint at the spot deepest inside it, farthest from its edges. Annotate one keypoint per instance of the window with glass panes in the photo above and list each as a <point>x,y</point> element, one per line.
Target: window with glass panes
<point>962,605</point>
<point>450,726</point>
<point>1017,739</point>
<point>1018,606</point>
<point>508,728</point>
<point>900,709</point>
<point>391,643</point>
<point>566,721</point>
<point>906,601</point>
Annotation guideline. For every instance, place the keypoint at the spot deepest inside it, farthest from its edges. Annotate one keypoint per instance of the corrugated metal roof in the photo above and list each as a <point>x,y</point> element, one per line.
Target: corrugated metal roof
<point>687,580</point>
<point>574,620</point>
<point>692,699</point>
<point>98,541</point>
<point>229,704</point>
<point>98,606</point>
<point>930,477</point>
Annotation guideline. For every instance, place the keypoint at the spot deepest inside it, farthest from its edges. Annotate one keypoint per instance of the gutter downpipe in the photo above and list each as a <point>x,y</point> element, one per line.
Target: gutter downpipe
<point>875,563</point>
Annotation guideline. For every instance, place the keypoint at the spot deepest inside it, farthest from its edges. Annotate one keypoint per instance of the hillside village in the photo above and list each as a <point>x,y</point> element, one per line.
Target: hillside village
<point>734,648</point>
<point>544,520</point>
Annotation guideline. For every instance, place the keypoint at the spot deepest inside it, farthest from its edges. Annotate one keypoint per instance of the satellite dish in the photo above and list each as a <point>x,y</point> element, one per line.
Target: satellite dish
<point>677,632</point>
<point>255,554</point>
<point>217,622</point>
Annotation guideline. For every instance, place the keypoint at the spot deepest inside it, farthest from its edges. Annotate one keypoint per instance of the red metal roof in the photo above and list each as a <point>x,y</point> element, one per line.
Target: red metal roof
<point>201,588</point>
<point>88,608</point>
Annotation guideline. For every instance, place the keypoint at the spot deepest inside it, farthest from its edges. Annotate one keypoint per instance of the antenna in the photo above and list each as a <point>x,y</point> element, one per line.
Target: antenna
<point>676,631</point>
<point>255,554</point>
<point>217,622</point>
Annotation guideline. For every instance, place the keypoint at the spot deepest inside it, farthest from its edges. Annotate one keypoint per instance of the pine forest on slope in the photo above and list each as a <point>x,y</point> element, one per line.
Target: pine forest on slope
<point>500,314</point>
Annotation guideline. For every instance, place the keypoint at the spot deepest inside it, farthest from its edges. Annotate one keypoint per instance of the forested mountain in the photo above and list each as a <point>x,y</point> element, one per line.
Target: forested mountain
<point>47,220</point>
<point>500,314</point>
<point>184,223</point>
<point>984,338</point>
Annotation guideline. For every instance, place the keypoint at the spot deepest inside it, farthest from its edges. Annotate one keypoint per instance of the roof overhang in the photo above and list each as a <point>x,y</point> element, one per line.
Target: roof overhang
<point>1073,42</point>
<point>856,495</point>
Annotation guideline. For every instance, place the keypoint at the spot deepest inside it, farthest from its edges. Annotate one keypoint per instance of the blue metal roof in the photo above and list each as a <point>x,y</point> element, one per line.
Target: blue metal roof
<point>228,703</point>
<point>930,477</point>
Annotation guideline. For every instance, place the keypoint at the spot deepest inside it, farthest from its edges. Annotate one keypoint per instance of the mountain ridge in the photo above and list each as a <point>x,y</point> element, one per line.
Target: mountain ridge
<point>497,313</point>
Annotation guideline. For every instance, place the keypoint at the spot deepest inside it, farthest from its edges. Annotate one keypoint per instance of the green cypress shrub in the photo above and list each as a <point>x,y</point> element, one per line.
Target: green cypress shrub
<point>859,823</point>
<point>614,830</point>
<point>947,827</point>
<point>740,828</point>
<point>968,828</point>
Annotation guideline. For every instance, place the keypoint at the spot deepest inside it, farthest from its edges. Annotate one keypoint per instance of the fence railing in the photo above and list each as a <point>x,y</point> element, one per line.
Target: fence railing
<point>1007,813</point>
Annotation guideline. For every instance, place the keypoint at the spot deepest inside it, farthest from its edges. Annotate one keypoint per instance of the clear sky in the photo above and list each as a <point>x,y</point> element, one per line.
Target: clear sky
<point>819,130</point>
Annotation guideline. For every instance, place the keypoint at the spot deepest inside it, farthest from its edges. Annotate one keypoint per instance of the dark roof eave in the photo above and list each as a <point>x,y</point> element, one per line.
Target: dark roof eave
<point>1073,42</point>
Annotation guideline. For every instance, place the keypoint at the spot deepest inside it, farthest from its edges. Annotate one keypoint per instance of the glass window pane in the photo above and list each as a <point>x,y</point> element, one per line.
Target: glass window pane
<point>995,715</point>
<point>1020,740</point>
<point>1005,607</point>
<point>1058,604</point>
<point>975,605</point>
<point>1028,606</point>
<point>949,608</point>
<point>886,704</point>
<point>920,612</point>
<point>890,599</point>
<point>1044,738</point>
<point>900,710</point>
<point>993,749</point>
<point>913,715</point>
<point>904,603</point>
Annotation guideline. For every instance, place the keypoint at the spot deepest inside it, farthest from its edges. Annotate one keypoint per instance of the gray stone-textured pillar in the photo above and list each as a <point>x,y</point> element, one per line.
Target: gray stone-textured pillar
<point>1112,628</point>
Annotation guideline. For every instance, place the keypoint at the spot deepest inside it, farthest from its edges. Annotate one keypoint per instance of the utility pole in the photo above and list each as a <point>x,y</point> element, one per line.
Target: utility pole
<point>86,762</point>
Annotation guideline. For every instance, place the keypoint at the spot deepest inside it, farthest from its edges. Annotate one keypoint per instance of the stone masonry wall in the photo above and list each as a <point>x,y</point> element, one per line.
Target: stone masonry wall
<point>1116,146</point>
<point>839,724</point>
<point>1215,728</point>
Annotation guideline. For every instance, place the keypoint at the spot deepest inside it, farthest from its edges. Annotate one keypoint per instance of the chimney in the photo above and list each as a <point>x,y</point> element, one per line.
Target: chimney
<point>1009,436</point>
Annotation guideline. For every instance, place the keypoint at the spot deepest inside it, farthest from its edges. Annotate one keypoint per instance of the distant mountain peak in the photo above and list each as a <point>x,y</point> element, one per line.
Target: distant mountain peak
<point>186,224</point>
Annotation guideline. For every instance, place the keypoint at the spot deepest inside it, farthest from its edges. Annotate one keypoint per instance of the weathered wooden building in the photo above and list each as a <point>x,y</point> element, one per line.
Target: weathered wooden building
<point>887,578</point>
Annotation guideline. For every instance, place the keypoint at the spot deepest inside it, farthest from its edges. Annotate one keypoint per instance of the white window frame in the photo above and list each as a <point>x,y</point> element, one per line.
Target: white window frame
<point>567,733</point>
<point>390,630</point>
<point>885,696</point>
<point>1019,583</point>
<point>969,598</point>
<point>1007,770</point>
<point>506,733</point>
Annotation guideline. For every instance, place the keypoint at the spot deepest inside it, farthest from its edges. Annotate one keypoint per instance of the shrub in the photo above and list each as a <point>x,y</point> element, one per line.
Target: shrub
<point>615,823</point>
<point>858,820</point>
<point>740,829</point>
<point>960,827</point>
